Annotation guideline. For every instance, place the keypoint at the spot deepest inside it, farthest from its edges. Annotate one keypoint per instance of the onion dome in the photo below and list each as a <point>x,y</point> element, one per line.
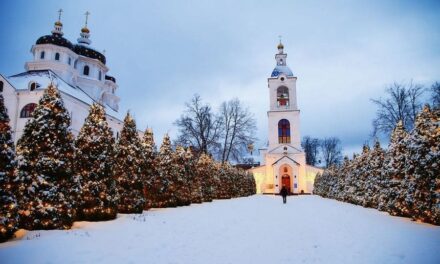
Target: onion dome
<point>55,39</point>
<point>281,70</point>
<point>86,51</point>
<point>280,46</point>
<point>57,35</point>
<point>83,48</point>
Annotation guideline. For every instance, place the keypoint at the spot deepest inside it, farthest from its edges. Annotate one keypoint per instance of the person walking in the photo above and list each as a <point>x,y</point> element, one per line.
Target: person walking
<point>284,193</point>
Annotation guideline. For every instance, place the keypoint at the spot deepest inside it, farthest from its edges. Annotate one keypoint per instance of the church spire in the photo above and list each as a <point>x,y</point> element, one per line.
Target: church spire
<point>85,32</point>
<point>280,57</point>
<point>58,26</point>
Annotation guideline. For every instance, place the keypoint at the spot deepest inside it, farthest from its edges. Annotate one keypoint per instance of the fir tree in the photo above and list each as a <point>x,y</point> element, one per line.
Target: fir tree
<point>393,192</point>
<point>128,169</point>
<point>47,191</point>
<point>422,171</point>
<point>94,163</point>
<point>167,174</point>
<point>195,182</point>
<point>374,178</point>
<point>149,170</point>
<point>8,203</point>
<point>182,177</point>
<point>204,170</point>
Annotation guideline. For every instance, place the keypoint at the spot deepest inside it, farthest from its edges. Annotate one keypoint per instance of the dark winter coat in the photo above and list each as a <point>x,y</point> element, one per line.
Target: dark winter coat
<point>283,191</point>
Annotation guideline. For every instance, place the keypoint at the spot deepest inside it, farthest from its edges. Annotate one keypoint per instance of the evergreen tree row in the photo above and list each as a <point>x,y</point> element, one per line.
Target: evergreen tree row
<point>403,180</point>
<point>52,179</point>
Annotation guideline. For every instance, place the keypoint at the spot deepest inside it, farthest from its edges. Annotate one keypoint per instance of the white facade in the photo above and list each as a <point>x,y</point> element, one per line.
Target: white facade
<point>283,161</point>
<point>78,71</point>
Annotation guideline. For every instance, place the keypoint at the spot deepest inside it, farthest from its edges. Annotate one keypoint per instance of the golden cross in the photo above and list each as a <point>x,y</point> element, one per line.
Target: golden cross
<point>87,16</point>
<point>59,14</point>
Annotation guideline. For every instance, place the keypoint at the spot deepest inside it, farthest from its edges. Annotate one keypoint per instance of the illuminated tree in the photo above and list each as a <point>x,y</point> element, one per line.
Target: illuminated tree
<point>167,175</point>
<point>422,170</point>
<point>47,191</point>
<point>205,168</point>
<point>149,170</point>
<point>195,182</point>
<point>128,169</point>
<point>8,203</point>
<point>182,179</point>
<point>94,163</point>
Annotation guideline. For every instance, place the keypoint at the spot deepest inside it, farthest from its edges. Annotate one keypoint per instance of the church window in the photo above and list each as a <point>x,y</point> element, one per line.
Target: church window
<point>75,63</point>
<point>100,75</point>
<point>42,55</point>
<point>33,86</point>
<point>57,56</point>
<point>27,110</point>
<point>69,61</point>
<point>283,96</point>
<point>1,86</point>
<point>86,70</point>
<point>285,169</point>
<point>283,131</point>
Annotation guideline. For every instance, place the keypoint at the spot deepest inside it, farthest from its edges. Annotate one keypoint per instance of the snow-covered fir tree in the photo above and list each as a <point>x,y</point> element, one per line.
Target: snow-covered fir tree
<point>128,169</point>
<point>94,158</point>
<point>423,167</point>
<point>167,175</point>
<point>204,168</point>
<point>183,179</point>
<point>46,188</point>
<point>393,192</point>
<point>8,203</point>
<point>149,169</point>
<point>196,192</point>
<point>226,181</point>
<point>373,170</point>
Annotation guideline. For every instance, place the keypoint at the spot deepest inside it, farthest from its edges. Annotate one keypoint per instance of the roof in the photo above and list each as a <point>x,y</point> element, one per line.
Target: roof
<point>55,39</point>
<point>89,52</point>
<point>44,77</point>
<point>279,69</point>
<point>286,158</point>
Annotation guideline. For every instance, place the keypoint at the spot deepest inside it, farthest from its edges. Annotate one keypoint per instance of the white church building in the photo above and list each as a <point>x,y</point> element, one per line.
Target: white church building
<point>78,70</point>
<point>283,160</point>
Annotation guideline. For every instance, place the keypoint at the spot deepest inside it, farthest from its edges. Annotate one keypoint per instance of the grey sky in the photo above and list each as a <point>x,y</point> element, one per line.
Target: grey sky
<point>162,52</point>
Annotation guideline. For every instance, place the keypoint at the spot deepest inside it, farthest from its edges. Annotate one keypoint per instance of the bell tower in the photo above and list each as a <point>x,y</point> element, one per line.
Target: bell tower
<point>283,111</point>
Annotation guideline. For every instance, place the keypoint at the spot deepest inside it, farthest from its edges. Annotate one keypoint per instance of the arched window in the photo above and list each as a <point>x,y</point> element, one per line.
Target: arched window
<point>1,86</point>
<point>42,55</point>
<point>57,56</point>
<point>86,70</point>
<point>69,61</point>
<point>283,96</point>
<point>33,86</point>
<point>283,131</point>
<point>75,63</point>
<point>27,110</point>
<point>100,75</point>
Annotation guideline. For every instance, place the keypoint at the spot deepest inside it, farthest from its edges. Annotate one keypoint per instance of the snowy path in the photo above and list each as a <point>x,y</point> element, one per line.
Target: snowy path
<point>258,229</point>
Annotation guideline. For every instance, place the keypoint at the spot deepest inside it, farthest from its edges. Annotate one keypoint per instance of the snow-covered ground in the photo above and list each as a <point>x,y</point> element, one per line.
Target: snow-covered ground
<point>257,229</point>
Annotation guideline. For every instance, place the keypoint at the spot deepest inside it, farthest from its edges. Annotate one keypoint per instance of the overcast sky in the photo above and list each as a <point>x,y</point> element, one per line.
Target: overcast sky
<point>163,52</point>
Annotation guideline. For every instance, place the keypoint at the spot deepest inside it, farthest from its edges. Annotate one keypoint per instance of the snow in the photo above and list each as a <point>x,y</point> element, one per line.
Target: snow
<point>43,78</point>
<point>256,229</point>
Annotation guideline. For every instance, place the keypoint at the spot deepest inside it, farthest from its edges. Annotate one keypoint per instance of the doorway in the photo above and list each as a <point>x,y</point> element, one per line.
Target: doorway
<point>285,181</point>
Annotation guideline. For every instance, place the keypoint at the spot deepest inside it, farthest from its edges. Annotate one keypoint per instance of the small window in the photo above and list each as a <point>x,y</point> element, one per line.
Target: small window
<point>100,75</point>
<point>113,90</point>
<point>27,110</point>
<point>86,70</point>
<point>33,86</point>
<point>1,86</point>
<point>69,61</point>
<point>42,55</point>
<point>57,56</point>
<point>75,63</point>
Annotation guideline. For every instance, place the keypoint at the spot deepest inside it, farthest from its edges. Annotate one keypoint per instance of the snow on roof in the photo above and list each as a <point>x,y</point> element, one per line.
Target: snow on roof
<point>44,77</point>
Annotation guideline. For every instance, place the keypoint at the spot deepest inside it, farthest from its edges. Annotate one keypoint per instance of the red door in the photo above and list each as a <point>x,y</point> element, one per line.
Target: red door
<point>285,181</point>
